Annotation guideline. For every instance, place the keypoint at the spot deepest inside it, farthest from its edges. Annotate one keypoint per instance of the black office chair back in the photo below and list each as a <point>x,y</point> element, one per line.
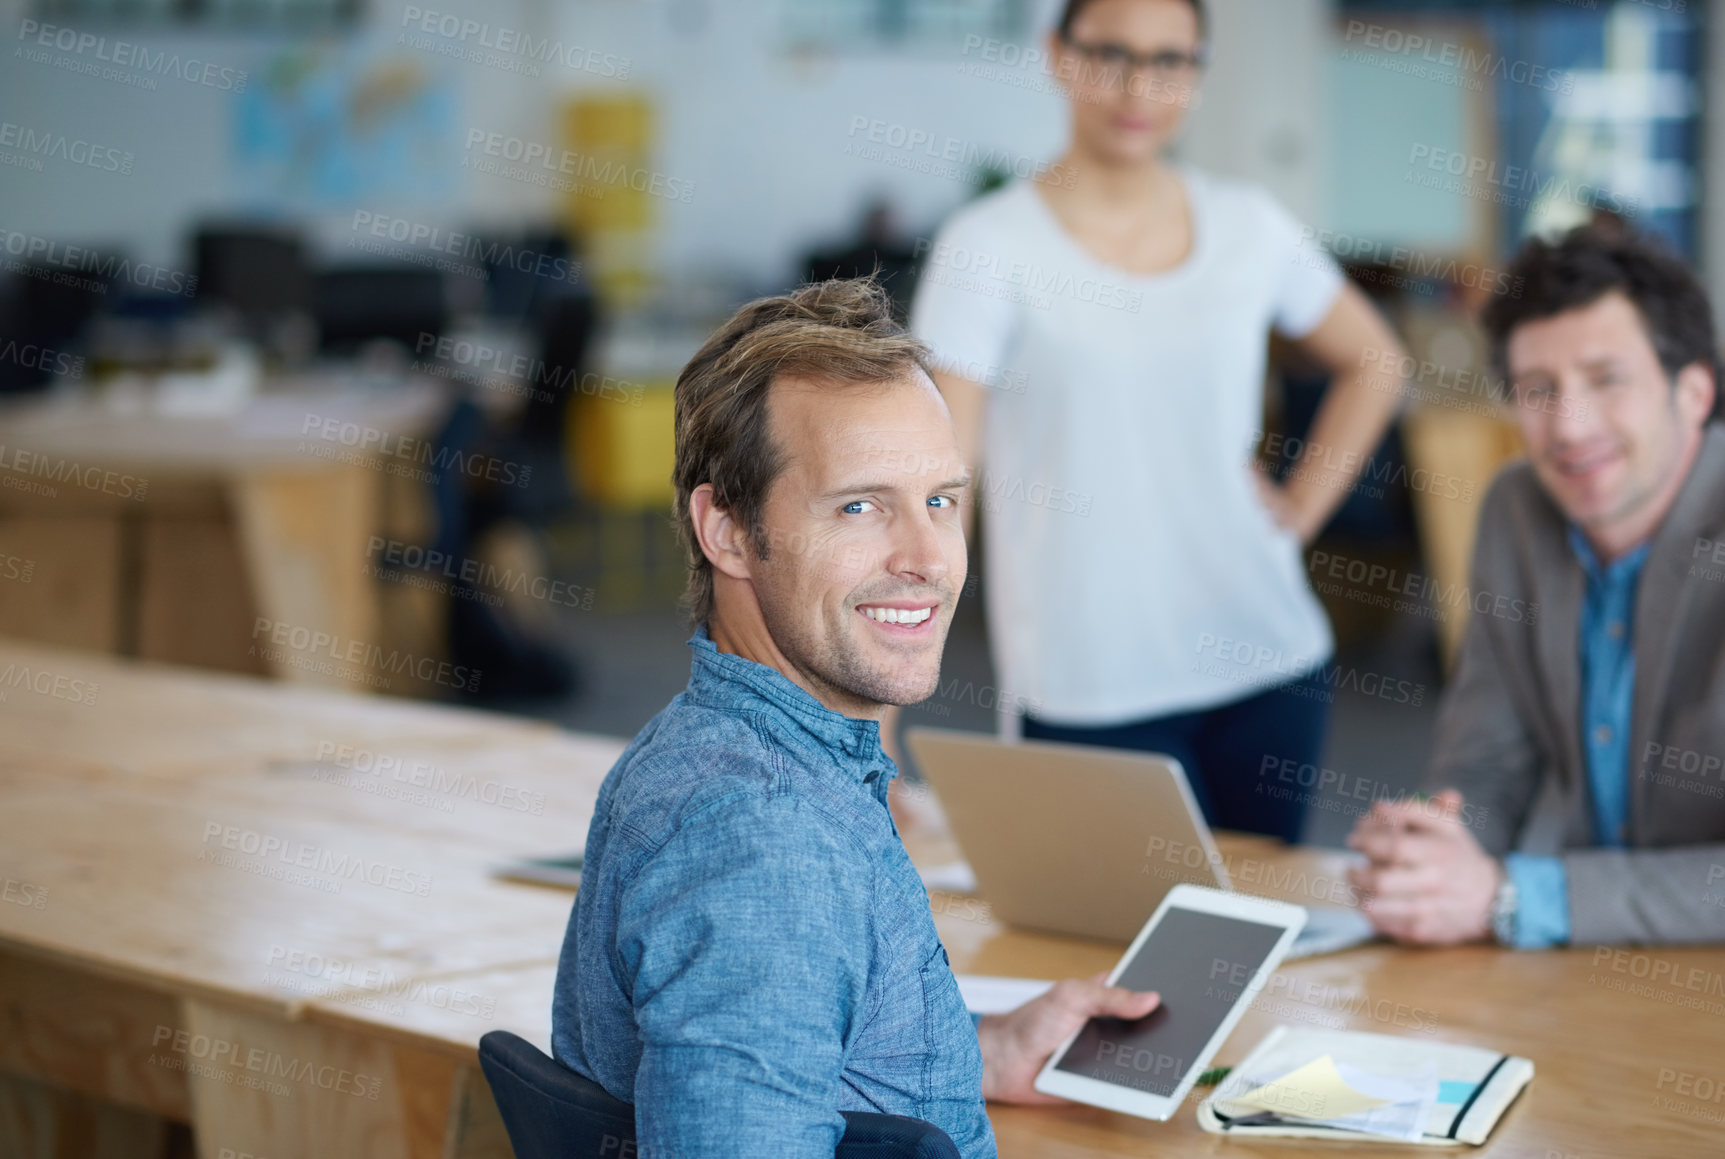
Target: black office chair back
<point>551,1112</point>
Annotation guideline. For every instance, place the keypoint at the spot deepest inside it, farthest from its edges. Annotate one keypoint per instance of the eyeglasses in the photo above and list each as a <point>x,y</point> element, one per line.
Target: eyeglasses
<point>1115,61</point>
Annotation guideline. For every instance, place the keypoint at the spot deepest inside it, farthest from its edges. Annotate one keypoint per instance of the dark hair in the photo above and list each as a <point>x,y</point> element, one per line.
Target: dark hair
<point>1074,7</point>
<point>1592,261</point>
<point>840,332</point>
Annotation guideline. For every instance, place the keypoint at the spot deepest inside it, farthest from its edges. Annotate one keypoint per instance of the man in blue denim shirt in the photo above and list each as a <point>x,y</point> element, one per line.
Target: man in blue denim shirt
<point>1585,723</point>
<point>751,951</point>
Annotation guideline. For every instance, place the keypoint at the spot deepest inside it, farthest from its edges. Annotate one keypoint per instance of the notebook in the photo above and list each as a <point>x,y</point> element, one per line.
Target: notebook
<point>1329,1084</point>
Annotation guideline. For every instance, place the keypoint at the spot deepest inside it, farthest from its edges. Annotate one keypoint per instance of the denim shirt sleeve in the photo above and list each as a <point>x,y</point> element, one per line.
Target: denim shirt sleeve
<point>745,944</point>
<point>1541,900</point>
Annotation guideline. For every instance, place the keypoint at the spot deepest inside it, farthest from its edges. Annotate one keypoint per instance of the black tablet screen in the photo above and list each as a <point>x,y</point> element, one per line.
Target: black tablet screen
<point>1200,963</point>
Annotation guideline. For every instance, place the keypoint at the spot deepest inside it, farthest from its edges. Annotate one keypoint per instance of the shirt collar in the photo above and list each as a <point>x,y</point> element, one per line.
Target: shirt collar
<point>730,681</point>
<point>1623,569</point>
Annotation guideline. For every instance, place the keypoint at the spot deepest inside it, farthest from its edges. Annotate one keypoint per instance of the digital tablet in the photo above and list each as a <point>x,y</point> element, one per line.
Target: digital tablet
<point>1207,953</point>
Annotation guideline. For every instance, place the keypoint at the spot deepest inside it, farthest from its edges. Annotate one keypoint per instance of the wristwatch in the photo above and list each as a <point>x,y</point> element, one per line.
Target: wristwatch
<point>1503,907</point>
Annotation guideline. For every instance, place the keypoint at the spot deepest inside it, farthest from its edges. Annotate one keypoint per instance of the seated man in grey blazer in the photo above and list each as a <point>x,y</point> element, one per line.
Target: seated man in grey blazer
<point>1589,742</point>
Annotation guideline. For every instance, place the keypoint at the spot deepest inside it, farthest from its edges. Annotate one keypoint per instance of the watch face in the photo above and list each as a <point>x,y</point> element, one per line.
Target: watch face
<point>1503,912</point>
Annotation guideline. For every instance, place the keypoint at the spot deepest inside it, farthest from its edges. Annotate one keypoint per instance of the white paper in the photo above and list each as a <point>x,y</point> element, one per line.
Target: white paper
<point>1314,1091</point>
<point>988,994</point>
<point>1403,1102</point>
<point>1410,1103</point>
<point>953,877</point>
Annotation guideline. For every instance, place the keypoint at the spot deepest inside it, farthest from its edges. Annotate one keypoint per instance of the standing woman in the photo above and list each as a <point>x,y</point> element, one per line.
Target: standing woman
<point>1100,335</point>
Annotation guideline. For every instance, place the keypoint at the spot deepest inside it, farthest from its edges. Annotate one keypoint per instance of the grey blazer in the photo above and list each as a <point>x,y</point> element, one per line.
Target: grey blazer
<point>1509,730</point>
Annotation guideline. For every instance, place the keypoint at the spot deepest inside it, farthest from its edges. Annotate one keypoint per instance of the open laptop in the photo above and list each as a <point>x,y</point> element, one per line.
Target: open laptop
<point>1075,839</point>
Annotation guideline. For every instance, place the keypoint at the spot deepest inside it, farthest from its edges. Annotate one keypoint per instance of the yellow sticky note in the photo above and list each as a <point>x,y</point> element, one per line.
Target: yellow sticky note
<point>1315,1091</point>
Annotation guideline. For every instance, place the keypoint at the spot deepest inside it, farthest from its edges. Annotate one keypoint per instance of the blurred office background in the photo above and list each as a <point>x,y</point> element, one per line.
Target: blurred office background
<point>337,336</point>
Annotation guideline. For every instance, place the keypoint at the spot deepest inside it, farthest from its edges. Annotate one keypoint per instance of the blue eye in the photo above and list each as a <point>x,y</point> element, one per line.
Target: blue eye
<point>855,507</point>
<point>940,501</point>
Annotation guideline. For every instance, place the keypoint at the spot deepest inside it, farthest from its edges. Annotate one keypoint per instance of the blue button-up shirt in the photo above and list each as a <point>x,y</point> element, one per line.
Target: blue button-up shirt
<point>1607,704</point>
<point>751,951</point>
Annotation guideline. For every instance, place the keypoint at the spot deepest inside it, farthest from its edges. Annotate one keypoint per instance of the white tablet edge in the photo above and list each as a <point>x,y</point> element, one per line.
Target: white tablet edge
<point>1291,918</point>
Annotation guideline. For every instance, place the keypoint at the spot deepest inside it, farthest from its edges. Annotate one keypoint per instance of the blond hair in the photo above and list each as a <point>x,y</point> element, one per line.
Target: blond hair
<point>839,332</point>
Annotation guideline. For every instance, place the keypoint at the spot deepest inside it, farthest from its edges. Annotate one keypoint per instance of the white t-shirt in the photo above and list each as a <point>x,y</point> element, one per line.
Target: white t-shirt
<point>1131,569</point>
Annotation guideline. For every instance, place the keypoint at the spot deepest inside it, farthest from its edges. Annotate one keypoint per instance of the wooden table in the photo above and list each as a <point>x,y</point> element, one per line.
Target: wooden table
<point>121,939</point>
<point>172,536</point>
<point>115,815</point>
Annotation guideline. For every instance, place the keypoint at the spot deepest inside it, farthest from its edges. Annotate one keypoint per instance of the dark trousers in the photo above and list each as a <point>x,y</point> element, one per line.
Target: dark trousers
<point>1230,752</point>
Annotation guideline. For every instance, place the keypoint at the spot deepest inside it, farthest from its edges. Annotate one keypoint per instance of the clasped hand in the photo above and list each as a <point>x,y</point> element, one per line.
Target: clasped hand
<point>1426,879</point>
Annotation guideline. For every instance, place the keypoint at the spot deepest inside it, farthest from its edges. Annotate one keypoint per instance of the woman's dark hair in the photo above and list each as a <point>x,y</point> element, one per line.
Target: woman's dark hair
<point>1074,7</point>
<point>1589,262</point>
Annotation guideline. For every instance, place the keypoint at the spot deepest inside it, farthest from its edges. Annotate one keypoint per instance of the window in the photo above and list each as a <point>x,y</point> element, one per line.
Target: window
<point>839,25</point>
<point>1596,106</point>
<point>210,15</point>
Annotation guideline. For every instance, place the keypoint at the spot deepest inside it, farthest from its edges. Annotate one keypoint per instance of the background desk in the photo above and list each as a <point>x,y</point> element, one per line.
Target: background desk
<point>140,935</point>
<point>1469,448</point>
<point>209,523</point>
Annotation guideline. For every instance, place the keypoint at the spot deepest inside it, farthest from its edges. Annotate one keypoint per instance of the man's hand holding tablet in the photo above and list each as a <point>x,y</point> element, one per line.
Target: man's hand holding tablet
<point>1206,953</point>
<point>1015,1045</point>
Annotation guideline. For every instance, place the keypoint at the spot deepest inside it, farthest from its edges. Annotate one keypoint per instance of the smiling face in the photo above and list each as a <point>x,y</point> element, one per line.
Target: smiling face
<point>864,553</point>
<point>1121,112</point>
<point>1610,436</point>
